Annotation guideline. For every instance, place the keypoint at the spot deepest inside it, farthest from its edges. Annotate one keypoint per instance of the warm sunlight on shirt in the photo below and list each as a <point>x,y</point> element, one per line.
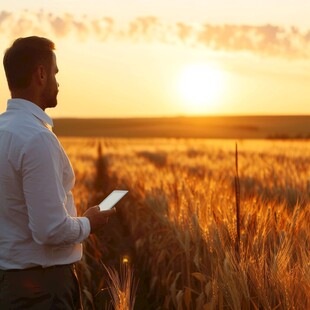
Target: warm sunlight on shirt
<point>38,220</point>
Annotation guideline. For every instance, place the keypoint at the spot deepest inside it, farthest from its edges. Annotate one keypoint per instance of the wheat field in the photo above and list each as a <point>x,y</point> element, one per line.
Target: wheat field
<point>184,244</point>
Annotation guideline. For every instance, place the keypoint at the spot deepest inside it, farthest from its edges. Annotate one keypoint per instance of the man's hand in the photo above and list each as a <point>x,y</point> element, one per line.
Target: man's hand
<point>97,218</point>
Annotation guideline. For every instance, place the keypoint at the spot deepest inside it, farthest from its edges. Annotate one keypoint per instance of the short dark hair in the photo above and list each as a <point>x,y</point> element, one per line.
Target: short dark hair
<point>22,58</point>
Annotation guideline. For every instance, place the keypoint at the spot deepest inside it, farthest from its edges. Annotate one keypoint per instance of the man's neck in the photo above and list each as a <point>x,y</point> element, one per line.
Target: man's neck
<point>27,95</point>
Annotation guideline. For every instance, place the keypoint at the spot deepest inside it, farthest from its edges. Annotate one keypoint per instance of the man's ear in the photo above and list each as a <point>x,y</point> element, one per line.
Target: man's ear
<point>40,75</point>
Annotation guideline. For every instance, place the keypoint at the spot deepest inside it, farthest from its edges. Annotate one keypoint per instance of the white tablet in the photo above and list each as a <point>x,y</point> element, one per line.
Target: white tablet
<point>112,199</point>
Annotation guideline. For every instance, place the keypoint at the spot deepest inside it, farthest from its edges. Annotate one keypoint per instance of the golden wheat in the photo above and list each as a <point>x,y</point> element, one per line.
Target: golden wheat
<point>182,217</point>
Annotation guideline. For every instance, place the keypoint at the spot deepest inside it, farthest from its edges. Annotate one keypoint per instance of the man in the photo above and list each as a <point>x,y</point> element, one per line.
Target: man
<point>40,233</point>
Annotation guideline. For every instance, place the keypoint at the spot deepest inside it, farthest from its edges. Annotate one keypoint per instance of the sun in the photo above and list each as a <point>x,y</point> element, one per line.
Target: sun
<point>200,87</point>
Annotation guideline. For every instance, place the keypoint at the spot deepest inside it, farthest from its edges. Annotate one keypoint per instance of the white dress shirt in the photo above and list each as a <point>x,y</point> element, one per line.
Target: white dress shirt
<point>38,219</point>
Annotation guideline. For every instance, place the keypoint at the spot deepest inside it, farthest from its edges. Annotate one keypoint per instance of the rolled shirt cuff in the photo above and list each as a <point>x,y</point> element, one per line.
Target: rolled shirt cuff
<point>85,228</point>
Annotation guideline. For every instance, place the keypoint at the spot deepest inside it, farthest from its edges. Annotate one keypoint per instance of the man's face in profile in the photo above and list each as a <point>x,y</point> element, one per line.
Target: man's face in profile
<point>51,89</point>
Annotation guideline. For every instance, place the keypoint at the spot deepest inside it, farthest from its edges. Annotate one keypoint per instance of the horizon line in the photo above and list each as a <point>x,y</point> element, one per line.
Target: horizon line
<point>178,116</point>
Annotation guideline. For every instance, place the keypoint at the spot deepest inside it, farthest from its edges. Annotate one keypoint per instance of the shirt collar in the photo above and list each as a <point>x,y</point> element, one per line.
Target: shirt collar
<point>25,105</point>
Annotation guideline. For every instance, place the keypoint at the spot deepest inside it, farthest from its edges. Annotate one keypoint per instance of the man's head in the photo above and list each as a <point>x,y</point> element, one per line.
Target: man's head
<point>30,68</point>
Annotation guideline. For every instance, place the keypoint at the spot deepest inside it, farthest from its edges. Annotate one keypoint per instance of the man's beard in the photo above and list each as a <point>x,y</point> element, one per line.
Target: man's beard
<point>50,98</point>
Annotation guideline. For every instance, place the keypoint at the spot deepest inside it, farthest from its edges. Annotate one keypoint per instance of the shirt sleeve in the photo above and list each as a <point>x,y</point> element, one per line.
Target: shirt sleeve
<point>45,196</point>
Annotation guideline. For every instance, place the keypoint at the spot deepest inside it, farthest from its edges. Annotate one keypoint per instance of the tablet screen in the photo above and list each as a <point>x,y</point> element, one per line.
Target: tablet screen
<point>112,199</point>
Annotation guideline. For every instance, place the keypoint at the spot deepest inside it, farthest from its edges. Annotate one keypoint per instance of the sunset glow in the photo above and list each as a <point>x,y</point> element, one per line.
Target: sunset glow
<point>159,58</point>
<point>201,87</point>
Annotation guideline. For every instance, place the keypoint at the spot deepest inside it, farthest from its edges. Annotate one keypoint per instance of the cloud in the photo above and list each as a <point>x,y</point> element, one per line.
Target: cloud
<point>61,25</point>
<point>266,40</point>
<point>3,16</point>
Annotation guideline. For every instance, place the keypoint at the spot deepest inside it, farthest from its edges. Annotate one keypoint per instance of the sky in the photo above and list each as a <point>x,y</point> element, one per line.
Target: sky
<point>145,58</point>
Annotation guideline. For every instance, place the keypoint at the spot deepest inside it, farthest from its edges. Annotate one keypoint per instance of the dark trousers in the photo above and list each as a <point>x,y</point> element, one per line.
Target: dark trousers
<point>49,288</point>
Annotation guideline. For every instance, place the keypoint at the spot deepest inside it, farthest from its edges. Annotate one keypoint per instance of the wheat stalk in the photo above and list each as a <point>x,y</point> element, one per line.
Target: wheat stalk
<point>237,193</point>
<point>122,286</point>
